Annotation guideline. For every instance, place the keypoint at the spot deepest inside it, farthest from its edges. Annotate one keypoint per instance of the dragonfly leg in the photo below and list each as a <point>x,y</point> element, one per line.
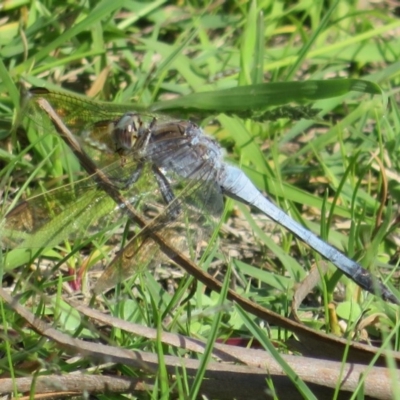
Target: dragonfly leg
<point>167,193</point>
<point>128,182</point>
<point>145,135</point>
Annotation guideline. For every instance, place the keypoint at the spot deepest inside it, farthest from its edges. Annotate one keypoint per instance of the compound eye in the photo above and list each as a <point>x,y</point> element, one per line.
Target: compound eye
<point>125,132</point>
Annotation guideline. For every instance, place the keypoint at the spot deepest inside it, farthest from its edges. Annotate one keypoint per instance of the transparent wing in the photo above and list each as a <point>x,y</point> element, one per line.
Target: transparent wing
<point>200,204</point>
<point>75,211</point>
<point>90,121</point>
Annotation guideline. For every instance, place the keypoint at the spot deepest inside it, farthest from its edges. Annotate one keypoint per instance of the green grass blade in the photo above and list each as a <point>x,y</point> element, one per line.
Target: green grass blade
<point>265,341</point>
<point>262,96</point>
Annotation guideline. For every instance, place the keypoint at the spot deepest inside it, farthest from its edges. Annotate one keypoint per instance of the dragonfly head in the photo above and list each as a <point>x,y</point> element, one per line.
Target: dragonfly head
<point>126,132</point>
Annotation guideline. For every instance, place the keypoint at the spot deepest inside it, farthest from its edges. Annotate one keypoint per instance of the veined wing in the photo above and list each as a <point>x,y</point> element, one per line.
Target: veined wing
<point>92,122</point>
<point>78,210</point>
<point>71,212</point>
<point>200,207</point>
<point>46,220</point>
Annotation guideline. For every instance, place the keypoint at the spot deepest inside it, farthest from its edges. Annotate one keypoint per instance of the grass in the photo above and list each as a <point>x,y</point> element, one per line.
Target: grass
<point>336,172</point>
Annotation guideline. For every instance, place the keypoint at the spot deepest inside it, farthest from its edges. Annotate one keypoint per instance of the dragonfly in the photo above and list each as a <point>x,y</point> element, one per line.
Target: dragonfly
<point>169,170</point>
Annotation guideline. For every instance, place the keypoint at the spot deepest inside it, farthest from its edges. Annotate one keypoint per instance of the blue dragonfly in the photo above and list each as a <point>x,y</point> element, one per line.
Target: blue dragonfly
<point>172,173</point>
